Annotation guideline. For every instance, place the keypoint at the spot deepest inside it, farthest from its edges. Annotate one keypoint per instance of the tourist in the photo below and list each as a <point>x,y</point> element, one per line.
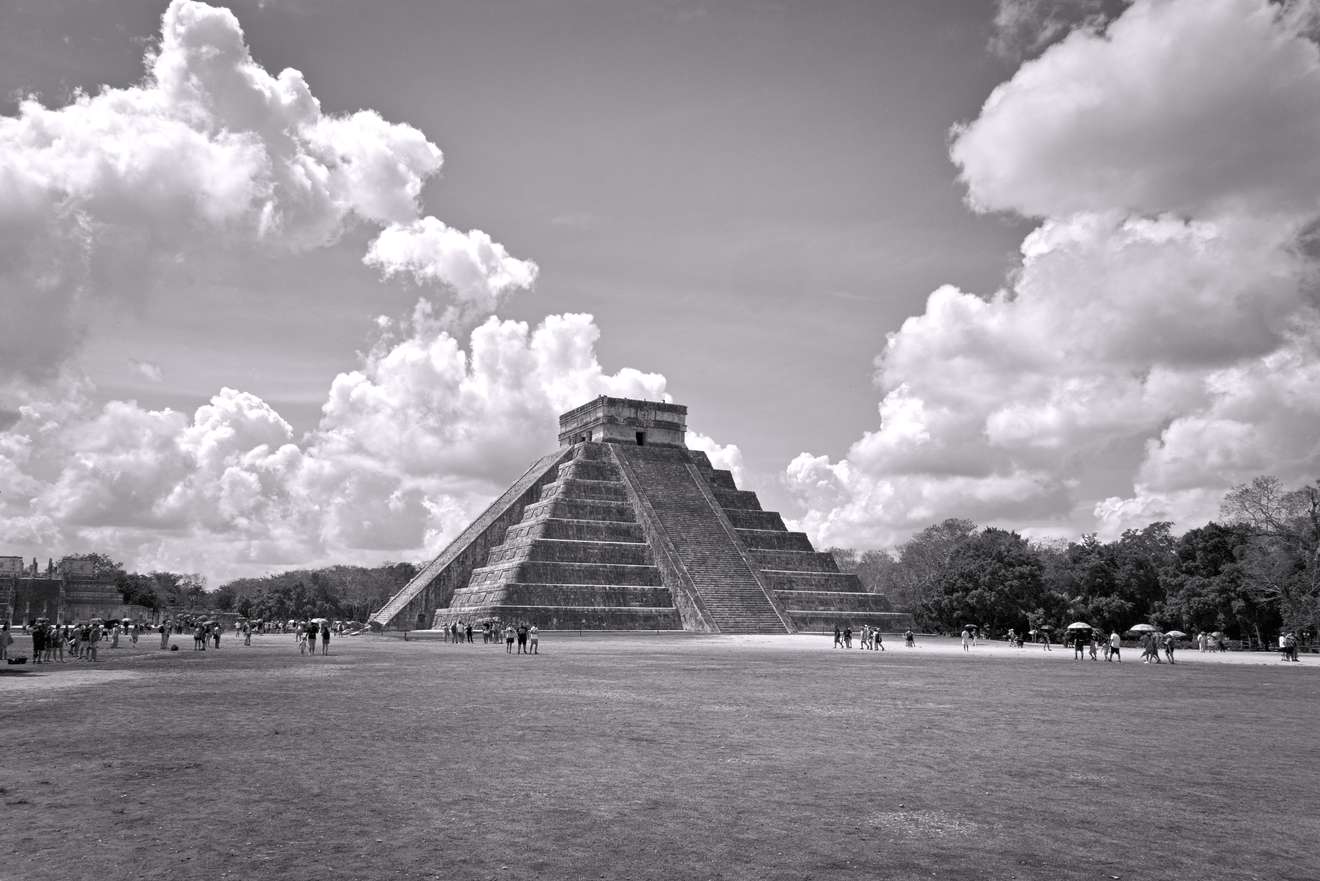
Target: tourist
<point>847,637</point>
<point>522,638</point>
<point>534,638</point>
<point>910,639</point>
<point>966,639</point>
<point>838,637</point>
<point>1168,647</point>
<point>485,633</point>
<point>93,637</point>
<point>1044,637</point>
<point>215,633</point>
<point>468,632</point>
<point>164,629</point>
<point>508,639</point>
<point>247,634</point>
<point>877,640</point>
<point>6,639</point>
<point>114,636</point>
<point>302,640</point>
<point>311,630</point>
<point>325,637</point>
<point>1092,646</point>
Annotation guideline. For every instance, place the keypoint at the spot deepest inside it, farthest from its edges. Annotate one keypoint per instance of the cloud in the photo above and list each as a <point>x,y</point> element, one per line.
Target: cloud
<point>1157,343</point>
<point>1025,27</point>
<point>1196,107</point>
<point>209,152</point>
<point>409,448</point>
<point>723,456</point>
<point>148,370</point>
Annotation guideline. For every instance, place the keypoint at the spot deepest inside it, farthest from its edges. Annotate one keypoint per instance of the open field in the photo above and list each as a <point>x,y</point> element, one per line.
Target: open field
<point>656,757</point>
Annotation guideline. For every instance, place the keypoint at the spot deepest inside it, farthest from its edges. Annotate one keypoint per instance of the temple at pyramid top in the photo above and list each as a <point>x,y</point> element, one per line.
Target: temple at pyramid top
<point>625,421</point>
<point>623,527</point>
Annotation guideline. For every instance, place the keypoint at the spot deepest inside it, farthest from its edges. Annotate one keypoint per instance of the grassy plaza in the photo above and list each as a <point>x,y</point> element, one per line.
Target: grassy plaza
<point>655,757</point>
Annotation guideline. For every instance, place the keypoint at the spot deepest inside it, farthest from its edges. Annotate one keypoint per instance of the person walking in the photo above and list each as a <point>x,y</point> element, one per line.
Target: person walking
<point>909,639</point>
<point>966,640</point>
<point>114,636</point>
<point>325,637</point>
<point>508,639</point>
<point>1115,646</point>
<point>6,640</point>
<point>1092,646</point>
<point>847,637</point>
<point>93,638</point>
<point>1168,647</point>
<point>877,640</point>
<point>467,630</point>
<point>838,637</point>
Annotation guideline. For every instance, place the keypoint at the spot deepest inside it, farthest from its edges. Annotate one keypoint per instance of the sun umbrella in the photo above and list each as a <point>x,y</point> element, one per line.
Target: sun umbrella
<point>1176,634</point>
<point>1217,634</point>
<point>1144,628</point>
<point>320,621</point>
<point>1080,625</point>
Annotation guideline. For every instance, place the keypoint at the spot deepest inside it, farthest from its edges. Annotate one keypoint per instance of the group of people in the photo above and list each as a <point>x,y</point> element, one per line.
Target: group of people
<point>81,639</point>
<point>870,638</point>
<point>527,637</point>
<point>306,633</point>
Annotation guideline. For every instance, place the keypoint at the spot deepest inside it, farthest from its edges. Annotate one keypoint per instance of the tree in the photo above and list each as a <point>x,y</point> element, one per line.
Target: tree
<point>992,578</point>
<point>923,563</point>
<point>1282,564</point>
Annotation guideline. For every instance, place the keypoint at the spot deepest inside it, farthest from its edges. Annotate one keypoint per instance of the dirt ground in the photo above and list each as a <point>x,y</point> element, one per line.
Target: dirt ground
<point>656,757</point>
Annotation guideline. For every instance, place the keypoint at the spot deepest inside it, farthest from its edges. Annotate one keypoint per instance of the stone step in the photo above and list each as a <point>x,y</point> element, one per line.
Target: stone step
<point>579,530</point>
<point>721,478</point>
<point>794,561</point>
<point>544,572</point>
<point>576,488</point>
<point>742,500</point>
<point>842,582</point>
<point>774,540</point>
<point>586,469</point>
<point>578,595</point>
<point>833,600</point>
<point>560,550</point>
<point>591,452</point>
<point>580,509</point>
<point>748,519</point>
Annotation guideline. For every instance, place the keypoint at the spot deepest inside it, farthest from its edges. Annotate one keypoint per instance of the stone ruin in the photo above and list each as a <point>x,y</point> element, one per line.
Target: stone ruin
<point>624,528</point>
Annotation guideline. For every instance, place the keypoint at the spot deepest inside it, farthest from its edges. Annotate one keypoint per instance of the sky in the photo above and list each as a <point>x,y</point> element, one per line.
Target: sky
<point>294,282</point>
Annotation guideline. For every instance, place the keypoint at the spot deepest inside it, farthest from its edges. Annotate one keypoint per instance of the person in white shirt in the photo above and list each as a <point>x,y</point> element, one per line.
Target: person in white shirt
<point>1115,643</point>
<point>533,638</point>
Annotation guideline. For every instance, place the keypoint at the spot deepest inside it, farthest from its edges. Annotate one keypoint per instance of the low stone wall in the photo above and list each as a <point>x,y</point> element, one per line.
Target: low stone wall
<point>824,621</point>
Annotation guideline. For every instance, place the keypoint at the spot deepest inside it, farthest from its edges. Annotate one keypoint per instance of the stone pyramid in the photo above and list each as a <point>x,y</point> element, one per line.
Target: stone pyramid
<point>623,527</point>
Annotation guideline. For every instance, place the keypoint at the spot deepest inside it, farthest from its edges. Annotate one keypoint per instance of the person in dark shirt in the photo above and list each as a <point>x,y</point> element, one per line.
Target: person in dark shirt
<point>325,637</point>
<point>838,637</point>
<point>522,639</point>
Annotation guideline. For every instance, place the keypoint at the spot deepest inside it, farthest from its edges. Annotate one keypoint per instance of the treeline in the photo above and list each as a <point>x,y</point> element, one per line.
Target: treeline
<point>1252,574</point>
<point>343,592</point>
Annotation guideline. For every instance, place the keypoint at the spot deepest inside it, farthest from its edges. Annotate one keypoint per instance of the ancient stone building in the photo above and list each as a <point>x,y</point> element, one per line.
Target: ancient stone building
<point>71,591</point>
<point>623,527</point>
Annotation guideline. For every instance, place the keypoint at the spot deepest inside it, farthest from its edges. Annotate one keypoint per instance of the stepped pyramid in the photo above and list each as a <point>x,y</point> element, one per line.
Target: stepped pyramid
<point>623,527</point>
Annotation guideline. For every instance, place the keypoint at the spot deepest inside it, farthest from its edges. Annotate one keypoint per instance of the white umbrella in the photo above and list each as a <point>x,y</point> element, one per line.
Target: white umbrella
<point>1080,625</point>
<point>1144,628</point>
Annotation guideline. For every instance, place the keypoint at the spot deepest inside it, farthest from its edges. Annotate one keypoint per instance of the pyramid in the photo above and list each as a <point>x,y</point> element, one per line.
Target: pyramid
<point>624,528</point>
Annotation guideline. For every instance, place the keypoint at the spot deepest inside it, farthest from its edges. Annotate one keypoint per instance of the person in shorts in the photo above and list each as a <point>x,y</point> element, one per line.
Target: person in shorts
<point>1115,645</point>
<point>522,639</point>
<point>533,639</point>
<point>508,639</point>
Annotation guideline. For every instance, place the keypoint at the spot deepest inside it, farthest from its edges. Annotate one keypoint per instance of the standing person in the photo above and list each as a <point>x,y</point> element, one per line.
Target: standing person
<point>1092,646</point>
<point>215,633</point>
<point>92,639</point>
<point>1115,645</point>
<point>508,639</point>
<point>302,641</point>
<point>1168,647</point>
<point>312,630</point>
<point>6,638</point>
<point>1079,645</point>
<point>468,632</point>
<point>878,640</point>
<point>522,638</point>
<point>966,639</point>
<point>164,629</point>
<point>534,639</point>
<point>909,639</point>
<point>847,637</point>
<point>247,634</point>
<point>325,637</point>
<point>114,636</point>
<point>838,637</point>
<point>1045,640</point>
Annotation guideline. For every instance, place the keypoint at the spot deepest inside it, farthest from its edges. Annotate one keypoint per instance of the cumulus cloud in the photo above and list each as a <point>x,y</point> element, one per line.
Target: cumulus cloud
<point>149,370</point>
<point>209,151</point>
<point>409,448</point>
<point>724,456</point>
<point>1157,343</point>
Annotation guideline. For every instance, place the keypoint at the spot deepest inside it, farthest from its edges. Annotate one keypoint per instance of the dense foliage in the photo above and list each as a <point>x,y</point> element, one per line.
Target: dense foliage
<point>1251,575</point>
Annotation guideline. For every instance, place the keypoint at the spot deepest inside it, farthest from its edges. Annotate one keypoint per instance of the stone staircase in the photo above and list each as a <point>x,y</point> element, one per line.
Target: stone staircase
<point>807,584</point>
<point>577,559</point>
<point>728,589</point>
